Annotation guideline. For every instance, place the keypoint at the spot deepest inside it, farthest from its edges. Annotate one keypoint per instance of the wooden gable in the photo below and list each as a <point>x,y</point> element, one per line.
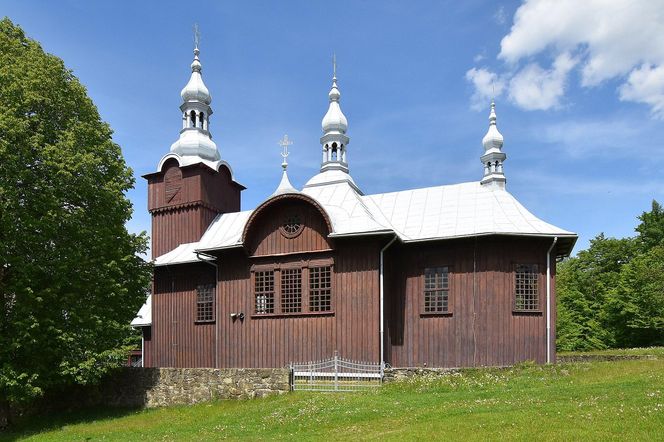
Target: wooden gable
<point>287,224</point>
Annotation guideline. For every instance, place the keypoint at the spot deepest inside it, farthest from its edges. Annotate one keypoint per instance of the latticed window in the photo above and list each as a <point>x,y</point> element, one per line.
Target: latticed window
<point>205,303</point>
<point>264,290</point>
<point>320,289</point>
<point>527,293</point>
<point>291,290</point>
<point>436,289</point>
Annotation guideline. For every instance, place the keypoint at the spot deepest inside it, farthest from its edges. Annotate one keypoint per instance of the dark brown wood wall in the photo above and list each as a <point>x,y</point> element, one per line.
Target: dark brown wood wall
<point>183,208</point>
<point>264,237</point>
<point>177,340</point>
<point>274,341</point>
<point>483,328</point>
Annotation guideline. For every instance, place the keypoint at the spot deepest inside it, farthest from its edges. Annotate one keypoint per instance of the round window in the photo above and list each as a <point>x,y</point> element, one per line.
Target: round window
<point>292,226</point>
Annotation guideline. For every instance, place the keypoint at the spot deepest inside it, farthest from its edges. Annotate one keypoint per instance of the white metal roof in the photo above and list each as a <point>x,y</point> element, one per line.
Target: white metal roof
<point>144,315</point>
<point>441,212</point>
<point>458,210</point>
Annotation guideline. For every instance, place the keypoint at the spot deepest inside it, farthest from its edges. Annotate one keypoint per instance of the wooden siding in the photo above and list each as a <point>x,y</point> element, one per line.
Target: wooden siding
<point>482,327</point>
<point>177,340</point>
<point>195,200</point>
<point>265,238</point>
<point>274,341</point>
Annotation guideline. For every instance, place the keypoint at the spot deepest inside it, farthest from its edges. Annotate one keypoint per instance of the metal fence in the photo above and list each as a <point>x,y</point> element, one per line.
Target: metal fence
<point>336,374</point>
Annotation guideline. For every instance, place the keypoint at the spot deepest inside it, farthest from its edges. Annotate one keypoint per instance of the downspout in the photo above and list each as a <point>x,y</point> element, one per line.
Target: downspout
<point>548,300</point>
<point>142,347</point>
<point>216,304</point>
<point>382,304</point>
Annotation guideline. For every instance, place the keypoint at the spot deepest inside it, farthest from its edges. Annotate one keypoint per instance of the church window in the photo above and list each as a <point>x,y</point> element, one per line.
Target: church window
<point>192,116</point>
<point>264,291</point>
<point>205,303</point>
<point>526,287</point>
<point>292,226</point>
<point>436,289</point>
<point>320,289</point>
<point>291,290</point>
<point>202,119</point>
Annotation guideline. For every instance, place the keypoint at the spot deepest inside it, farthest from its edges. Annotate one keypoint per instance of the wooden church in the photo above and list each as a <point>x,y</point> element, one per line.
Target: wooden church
<point>448,276</point>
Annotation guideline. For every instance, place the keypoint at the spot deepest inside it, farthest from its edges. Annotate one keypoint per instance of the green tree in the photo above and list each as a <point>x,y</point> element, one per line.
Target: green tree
<point>637,302</point>
<point>650,232</point>
<point>584,287</point>
<point>70,275</point>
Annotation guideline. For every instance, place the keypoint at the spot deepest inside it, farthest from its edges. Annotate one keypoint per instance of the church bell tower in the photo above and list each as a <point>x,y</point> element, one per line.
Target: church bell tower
<point>192,184</point>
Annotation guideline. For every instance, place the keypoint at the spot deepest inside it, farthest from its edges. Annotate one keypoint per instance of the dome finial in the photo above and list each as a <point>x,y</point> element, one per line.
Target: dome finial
<point>493,157</point>
<point>284,143</point>
<point>285,185</point>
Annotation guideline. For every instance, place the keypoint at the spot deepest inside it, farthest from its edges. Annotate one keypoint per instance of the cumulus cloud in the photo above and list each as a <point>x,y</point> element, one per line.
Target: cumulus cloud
<point>646,85</point>
<point>487,85</point>
<point>534,88</point>
<point>610,39</point>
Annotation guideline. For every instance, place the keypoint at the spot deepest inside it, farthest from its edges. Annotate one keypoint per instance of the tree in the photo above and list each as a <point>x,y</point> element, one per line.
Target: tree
<point>650,232</point>
<point>584,286</point>
<point>637,302</point>
<point>71,277</point>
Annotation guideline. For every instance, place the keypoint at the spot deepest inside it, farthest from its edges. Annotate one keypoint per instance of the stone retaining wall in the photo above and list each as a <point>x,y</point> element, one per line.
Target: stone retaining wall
<point>156,387</point>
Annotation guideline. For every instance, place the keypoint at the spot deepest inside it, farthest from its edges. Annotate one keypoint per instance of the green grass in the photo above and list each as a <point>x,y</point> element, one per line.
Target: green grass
<point>612,400</point>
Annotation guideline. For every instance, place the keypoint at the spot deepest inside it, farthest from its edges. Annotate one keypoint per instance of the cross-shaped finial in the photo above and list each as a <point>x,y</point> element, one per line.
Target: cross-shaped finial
<point>197,36</point>
<point>284,143</point>
<point>334,65</point>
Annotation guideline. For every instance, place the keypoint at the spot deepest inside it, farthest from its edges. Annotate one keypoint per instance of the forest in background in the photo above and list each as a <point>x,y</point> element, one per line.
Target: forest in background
<point>612,294</point>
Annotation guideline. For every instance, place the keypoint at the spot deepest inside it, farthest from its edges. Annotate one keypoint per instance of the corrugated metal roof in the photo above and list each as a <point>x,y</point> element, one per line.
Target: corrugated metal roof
<point>144,315</point>
<point>441,212</point>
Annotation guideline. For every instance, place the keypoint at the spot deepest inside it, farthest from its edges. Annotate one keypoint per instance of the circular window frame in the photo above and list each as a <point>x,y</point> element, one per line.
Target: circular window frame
<point>292,226</point>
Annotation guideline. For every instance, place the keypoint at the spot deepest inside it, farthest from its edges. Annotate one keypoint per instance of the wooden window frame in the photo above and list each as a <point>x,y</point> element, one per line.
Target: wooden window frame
<point>200,288</point>
<point>324,301</point>
<point>535,271</point>
<point>423,290</point>
<point>304,265</point>
<point>269,295</point>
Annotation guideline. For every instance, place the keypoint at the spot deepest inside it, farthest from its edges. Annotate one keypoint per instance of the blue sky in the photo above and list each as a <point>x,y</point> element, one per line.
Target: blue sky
<point>579,90</point>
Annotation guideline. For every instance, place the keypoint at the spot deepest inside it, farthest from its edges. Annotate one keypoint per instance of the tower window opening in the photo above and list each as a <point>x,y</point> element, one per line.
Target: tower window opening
<point>334,153</point>
<point>202,120</point>
<point>192,116</point>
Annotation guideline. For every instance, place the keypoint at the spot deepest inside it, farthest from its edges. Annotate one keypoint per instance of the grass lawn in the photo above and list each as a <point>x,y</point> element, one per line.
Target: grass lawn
<point>615,400</point>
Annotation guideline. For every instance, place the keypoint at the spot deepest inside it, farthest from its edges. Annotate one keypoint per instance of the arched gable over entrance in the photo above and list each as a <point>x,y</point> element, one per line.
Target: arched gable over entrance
<point>290,223</point>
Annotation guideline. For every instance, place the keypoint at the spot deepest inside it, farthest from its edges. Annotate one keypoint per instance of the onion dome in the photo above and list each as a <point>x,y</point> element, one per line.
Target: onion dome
<point>493,139</point>
<point>195,89</point>
<point>334,120</point>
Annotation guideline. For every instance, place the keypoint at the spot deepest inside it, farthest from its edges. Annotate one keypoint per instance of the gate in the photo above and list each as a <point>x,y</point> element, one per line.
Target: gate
<point>335,374</point>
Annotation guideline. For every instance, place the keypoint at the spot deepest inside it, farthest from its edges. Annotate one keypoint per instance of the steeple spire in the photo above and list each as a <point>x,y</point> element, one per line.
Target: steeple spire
<point>493,157</point>
<point>285,185</point>
<point>335,125</point>
<point>195,138</point>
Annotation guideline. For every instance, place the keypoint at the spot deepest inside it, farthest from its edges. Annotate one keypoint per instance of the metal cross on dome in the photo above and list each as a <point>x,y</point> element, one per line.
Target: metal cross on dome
<point>197,35</point>
<point>284,143</point>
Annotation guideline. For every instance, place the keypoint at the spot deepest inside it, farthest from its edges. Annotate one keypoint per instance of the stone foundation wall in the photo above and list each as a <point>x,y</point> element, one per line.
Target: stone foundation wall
<point>156,387</point>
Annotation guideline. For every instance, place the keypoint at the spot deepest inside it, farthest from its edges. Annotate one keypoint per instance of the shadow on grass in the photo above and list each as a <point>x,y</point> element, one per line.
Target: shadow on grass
<point>30,426</point>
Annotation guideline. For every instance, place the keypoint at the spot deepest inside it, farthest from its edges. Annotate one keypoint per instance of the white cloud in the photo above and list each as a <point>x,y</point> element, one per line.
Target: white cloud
<point>534,88</point>
<point>610,39</point>
<point>487,86</point>
<point>646,85</point>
